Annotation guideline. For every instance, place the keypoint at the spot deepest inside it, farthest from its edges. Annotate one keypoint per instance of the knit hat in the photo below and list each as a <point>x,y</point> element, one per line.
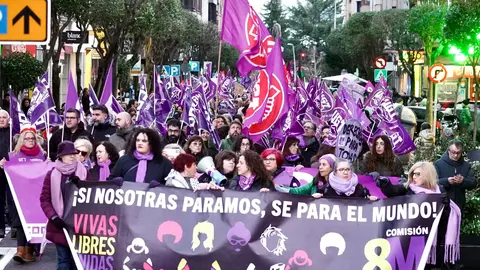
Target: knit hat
<point>28,128</point>
<point>330,158</point>
<point>66,148</point>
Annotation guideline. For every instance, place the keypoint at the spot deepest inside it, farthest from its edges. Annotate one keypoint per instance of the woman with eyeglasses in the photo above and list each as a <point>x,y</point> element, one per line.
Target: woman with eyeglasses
<point>252,175</point>
<point>105,158</point>
<point>84,148</point>
<point>195,147</point>
<point>273,161</point>
<point>381,160</point>
<point>291,153</point>
<point>143,161</point>
<point>27,149</point>
<point>241,144</point>
<point>423,179</point>
<point>225,163</point>
<point>343,183</point>
<point>315,188</point>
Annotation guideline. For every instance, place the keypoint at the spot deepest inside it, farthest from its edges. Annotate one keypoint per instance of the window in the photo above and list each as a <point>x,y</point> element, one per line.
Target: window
<point>359,5</point>
<point>212,12</point>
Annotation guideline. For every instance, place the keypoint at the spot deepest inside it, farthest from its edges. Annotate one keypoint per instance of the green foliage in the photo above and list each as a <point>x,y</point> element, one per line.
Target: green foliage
<point>336,55</point>
<point>20,70</point>
<point>273,12</point>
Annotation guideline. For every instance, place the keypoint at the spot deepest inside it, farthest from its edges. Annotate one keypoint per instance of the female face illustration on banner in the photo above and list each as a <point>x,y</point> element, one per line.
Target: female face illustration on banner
<point>238,235</point>
<point>206,228</point>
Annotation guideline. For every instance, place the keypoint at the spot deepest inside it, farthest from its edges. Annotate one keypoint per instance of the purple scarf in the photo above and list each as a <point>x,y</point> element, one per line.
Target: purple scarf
<point>56,181</point>
<point>104,170</point>
<point>341,186</point>
<point>292,158</point>
<point>452,236</point>
<point>142,165</point>
<point>246,183</point>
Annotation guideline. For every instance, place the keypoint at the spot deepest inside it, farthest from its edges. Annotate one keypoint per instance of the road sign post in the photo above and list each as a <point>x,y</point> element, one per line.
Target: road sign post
<point>380,62</point>
<point>25,21</point>
<point>379,73</point>
<point>195,66</point>
<point>437,73</point>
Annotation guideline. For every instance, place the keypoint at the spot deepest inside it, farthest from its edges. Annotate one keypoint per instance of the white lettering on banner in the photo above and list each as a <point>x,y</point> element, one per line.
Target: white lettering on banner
<point>407,231</point>
<point>336,119</point>
<point>320,211</point>
<point>36,230</point>
<point>396,139</point>
<point>404,211</point>
<point>388,111</point>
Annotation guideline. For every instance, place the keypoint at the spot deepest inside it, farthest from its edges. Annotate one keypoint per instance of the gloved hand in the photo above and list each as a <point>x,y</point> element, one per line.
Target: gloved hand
<point>74,180</point>
<point>117,181</point>
<point>153,183</point>
<point>58,222</point>
<point>375,175</point>
<point>382,181</point>
<point>220,179</point>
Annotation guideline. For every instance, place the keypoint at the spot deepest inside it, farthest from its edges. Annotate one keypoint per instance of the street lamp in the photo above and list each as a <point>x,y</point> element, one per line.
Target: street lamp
<point>294,64</point>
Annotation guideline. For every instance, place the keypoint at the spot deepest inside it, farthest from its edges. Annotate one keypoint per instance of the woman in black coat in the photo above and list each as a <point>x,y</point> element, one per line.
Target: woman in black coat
<point>105,158</point>
<point>143,161</point>
<point>252,175</point>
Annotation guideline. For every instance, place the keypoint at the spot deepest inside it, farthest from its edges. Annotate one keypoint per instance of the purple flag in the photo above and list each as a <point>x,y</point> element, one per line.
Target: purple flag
<point>244,30</point>
<point>369,87</point>
<point>163,106</point>
<point>72,99</point>
<point>146,115</point>
<point>324,101</point>
<point>107,98</point>
<point>16,114</point>
<point>276,103</point>
<point>92,96</point>
<point>143,94</point>
<point>26,182</point>
<point>356,90</point>
<point>42,100</point>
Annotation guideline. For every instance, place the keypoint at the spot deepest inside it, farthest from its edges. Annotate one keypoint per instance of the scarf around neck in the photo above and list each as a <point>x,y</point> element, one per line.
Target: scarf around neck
<point>142,165</point>
<point>246,183</point>
<point>31,152</point>
<point>452,235</point>
<point>104,170</point>
<point>292,158</point>
<point>58,171</point>
<point>341,186</point>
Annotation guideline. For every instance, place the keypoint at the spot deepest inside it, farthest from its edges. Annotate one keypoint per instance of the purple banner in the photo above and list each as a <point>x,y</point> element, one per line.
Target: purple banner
<point>26,182</point>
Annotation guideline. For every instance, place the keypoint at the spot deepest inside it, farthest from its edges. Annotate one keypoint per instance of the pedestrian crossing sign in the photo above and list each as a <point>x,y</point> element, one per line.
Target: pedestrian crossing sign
<point>379,73</point>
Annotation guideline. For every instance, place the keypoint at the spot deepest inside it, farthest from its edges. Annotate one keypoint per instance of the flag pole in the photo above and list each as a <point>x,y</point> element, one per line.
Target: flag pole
<point>48,132</point>
<point>11,134</point>
<point>220,24</point>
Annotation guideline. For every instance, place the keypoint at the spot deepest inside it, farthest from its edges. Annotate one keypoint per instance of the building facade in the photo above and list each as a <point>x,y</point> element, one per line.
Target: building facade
<point>354,6</point>
<point>206,10</point>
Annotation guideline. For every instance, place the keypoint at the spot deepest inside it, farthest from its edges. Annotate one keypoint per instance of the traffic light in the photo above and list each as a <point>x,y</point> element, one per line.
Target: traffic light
<point>302,56</point>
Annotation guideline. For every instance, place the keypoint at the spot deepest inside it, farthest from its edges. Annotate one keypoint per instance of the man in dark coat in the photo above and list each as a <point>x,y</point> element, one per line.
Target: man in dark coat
<point>73,129</point>
<point>454,173</point>
<point>5,194</point>
<point>311,143</point>
<point>125,130</point>
<point>174,133</point>
<point>102,127</point>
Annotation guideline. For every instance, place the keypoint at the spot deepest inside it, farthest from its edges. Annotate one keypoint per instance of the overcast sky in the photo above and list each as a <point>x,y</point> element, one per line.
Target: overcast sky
<point>258,4</point>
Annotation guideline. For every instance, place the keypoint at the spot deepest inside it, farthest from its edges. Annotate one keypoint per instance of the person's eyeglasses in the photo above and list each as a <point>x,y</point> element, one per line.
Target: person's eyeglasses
<point>269,159</point>
<point>415,174</point>
<point>454,152</point>
<point>306,127</point>
<point>83,153</point>
<point>344,170</point>
<point>31,139</point>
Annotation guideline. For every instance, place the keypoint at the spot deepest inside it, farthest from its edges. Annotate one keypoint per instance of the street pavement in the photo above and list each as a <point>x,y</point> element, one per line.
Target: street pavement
<point>8,248</point>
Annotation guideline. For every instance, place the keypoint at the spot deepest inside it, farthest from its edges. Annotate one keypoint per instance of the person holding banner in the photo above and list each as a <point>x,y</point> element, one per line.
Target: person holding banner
<point>225,162</point>
<point>381,161</point>
<point>106,156</point>
<point>27,149</point>
<point>315,187</point>
<point>423,179</point>
<point>252,175</point>
<point>273,161</point>
<point>67,169</point>
<point>143,161</point>
<point>343,182</point>
<point>291,153</point>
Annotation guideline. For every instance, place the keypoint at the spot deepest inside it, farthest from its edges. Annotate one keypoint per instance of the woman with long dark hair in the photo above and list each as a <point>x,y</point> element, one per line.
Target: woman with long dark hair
<point>291,153</point>
<point>252,175</point>
<point>381,160</point>
<point>225,163</point>
<point>241,144</point>
<point>106,156</point>
<point>195,147</point>
<point>143,161</point>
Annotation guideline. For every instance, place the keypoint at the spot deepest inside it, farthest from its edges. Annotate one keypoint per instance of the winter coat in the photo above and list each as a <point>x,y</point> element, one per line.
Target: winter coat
<point>22,157</point>
<point>465,116</point>
<point>309,151</point>
<point>121,137</point>
<point>211,148</point>
<point>308,189</point>
<point>175,179</point>
<point>425,141</point>
<point>56,138</point>
<point>227,144</point>
<point>54,234</point>
<point>101,132</point>
<point>256,186</point>
<point>299,161</point>
<point>360,192</point>
<point>126,167</point>
<point>95,171</point>
<point>5,142</point>
<point>381,167</point>
<point>447,168</point>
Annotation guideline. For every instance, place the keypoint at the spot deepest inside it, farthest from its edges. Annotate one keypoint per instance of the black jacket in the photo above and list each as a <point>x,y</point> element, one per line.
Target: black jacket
<point>101,132</point>
<point>5,142</point>
<point>126,168</point>
<point>309,151</point>
<point>447,168</point>
<point>56,138</point>
<point>360,192</point>
<point>256,186</point>
<point>95,172</point>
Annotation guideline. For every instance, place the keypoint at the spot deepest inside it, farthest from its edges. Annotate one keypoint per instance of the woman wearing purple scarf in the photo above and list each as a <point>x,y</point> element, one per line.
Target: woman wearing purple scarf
<point>27,149</point>
<point>423,179</point>
<point>252,175</point>
<point>67,169</point>
<point>143,161</point>
<point>316,187</point>
<point>343,183</point>
<point>106,156</point>
<point>291,153</point>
